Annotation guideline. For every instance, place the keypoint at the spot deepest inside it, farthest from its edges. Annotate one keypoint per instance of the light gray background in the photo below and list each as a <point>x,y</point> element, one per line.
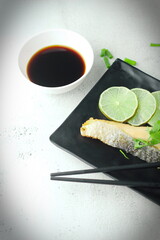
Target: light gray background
<point>32,207</point>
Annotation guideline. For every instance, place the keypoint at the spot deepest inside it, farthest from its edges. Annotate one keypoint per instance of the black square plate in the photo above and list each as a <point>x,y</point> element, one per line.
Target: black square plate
<point>94,152</point>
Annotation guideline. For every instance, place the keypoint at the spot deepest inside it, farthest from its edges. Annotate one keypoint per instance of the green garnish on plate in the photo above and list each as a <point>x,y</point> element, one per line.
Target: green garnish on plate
<point>154,137</point>
<point>123,154</point>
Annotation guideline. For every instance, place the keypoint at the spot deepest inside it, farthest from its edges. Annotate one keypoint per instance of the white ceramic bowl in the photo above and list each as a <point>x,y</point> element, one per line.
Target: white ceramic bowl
<point>56,37</point>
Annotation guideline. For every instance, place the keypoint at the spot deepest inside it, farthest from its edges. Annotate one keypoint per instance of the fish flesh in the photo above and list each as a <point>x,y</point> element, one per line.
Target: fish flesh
<point>121,135</point>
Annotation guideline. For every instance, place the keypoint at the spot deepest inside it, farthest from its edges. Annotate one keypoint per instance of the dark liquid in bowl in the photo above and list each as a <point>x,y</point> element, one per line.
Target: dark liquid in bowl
<point>55,66</point>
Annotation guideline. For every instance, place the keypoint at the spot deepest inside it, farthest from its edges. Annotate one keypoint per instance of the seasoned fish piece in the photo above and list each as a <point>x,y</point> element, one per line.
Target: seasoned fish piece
<point>120,135</point>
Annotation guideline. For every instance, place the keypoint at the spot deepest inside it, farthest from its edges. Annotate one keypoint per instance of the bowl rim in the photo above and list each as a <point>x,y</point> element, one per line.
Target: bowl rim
<point>59,30</point>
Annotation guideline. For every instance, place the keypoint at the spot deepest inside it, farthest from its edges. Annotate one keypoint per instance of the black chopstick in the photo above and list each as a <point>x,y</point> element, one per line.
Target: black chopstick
<point>109,182</point>
<point>109,169</point>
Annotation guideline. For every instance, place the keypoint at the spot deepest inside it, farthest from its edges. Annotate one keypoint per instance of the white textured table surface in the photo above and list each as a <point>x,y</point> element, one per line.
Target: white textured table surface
<point>32,206</point>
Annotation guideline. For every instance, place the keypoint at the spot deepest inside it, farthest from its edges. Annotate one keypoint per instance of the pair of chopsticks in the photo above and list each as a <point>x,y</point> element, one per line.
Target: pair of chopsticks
<point>58,176</point>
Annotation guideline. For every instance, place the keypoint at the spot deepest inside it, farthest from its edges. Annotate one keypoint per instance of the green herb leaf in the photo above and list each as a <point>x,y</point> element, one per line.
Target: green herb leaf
<point>106,53</point>
<point>103,52</point>
<point>154,137</point>
<point>106,62</point>
<point>155,44</point>
<point>109,54</point>
<point>123,154</point>
<point>139,143</point>
<point>155,128</point>
<point>131,62</point>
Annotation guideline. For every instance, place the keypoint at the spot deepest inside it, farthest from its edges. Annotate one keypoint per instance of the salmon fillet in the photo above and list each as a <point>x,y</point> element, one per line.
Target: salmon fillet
<point>121,135</point>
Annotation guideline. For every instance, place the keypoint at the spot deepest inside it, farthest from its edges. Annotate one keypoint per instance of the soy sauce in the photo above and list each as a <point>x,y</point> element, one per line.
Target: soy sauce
<point>55,66</point>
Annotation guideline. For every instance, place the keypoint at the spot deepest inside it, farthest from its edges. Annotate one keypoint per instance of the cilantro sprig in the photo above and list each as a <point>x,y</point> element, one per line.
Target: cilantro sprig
<point>154,137</point>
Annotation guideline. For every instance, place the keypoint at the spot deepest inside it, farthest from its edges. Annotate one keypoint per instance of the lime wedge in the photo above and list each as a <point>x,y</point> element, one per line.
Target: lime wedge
<point>118,103</point>
<point>146,107</point>
<point>156,115</point>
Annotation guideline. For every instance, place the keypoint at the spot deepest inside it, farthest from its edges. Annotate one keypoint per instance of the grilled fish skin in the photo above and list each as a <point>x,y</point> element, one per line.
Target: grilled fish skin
<point>121,135</point>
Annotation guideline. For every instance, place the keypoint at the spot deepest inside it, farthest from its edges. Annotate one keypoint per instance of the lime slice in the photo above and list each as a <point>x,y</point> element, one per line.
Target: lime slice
<point>156,115</point>
<point>146,107</point>
<point>118,103</point>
